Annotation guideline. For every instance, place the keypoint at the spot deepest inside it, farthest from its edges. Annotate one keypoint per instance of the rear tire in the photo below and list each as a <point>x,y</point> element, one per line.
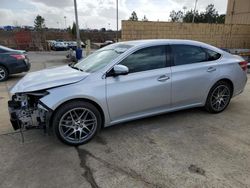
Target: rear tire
<point>219,97</point>
<point>77,122</point>
<point>3,74</point>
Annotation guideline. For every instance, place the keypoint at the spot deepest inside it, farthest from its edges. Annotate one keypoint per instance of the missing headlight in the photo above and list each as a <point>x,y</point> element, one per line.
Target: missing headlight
<point>26,111</point>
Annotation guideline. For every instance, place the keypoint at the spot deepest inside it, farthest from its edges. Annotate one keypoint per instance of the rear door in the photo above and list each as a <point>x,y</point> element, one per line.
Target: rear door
<point>145,90</point>
<point>193,70</point>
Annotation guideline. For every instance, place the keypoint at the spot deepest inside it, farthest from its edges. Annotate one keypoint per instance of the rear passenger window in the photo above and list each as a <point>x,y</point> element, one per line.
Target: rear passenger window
<point>212,55</point>
<point>187,54</point>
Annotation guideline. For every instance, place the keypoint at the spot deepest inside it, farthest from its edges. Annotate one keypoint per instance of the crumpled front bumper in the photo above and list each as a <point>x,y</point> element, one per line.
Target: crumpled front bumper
<point>21,117</point>
<point>15,122</point>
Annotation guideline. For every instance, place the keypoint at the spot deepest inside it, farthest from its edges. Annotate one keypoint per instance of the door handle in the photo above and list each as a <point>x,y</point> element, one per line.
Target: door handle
<point>211,69</point>
<point>163,78</point>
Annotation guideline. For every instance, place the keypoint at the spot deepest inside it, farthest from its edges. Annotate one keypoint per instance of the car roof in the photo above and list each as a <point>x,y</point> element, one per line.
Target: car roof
<point>148,42</point>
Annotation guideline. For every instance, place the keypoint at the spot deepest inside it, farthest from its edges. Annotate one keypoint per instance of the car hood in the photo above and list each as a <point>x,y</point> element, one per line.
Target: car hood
<point>48,78</point>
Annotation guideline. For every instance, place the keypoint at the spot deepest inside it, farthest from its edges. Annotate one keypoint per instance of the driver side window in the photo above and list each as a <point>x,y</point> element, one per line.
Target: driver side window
<point>146,59</point>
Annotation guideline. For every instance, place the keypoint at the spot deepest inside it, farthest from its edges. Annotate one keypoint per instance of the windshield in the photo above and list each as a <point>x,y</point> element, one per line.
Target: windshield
<point>101,58</point>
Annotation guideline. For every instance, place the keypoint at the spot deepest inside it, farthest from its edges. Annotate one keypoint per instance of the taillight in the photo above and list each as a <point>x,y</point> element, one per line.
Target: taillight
<point>243,65</point>
<point>18,56</point>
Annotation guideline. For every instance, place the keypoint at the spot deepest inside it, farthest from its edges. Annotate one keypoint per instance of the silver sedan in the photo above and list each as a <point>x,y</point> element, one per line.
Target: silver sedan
<point>126,81</point>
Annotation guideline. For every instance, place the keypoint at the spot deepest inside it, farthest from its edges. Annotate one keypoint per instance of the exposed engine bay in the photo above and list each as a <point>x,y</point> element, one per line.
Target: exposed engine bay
<point>26,111</point>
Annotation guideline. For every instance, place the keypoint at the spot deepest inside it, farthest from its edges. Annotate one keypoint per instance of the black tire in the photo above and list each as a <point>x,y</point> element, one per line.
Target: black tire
<point>4,74</point>
<point>70,108</point>
<point>210,105</point>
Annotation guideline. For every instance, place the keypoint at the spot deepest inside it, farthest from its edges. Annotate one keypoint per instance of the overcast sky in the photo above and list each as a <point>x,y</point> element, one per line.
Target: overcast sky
<point>93,13</point>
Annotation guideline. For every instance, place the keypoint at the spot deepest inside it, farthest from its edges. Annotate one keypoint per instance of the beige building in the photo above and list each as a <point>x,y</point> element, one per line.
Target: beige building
<point>220,35</point>
<point>238,12</point>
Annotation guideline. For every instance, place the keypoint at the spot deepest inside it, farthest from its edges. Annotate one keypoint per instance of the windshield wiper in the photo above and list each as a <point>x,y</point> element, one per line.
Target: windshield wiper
<point>73,67</point>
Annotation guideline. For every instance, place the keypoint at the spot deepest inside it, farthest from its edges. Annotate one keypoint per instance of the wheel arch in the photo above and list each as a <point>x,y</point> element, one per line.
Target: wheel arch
<point>229,81</point>
<point>79,99</point>
<point>208,105</point>
<point>6,67</point>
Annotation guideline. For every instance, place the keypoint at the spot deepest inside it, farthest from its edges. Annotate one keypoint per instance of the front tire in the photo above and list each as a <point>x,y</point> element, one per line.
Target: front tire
<point>219,97</point>
<point>3,74</point>
<point>77,122</point>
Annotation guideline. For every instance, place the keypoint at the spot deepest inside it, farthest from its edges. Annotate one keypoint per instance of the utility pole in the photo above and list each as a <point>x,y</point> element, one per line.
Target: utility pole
<point>65,22</point>
<point>77,27</point>
<point>116,20</point>
<point>194,10</point>
<point>184,10</point>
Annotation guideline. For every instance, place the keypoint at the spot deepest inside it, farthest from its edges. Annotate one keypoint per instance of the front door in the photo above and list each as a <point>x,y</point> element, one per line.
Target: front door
<point>145,90</point>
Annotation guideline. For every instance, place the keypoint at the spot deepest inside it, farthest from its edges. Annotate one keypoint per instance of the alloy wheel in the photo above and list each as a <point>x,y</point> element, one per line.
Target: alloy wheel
<point>220,97</point>
<point>2,73</point>
<point>77,125</point>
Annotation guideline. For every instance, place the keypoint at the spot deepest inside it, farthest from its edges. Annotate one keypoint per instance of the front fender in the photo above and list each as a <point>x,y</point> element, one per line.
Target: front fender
<point>91,91</point>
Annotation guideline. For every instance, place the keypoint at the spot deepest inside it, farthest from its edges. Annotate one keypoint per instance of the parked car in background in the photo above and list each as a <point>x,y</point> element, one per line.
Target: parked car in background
<point>12,62</point>
<point>73,44</point>
<point>126,81</point>
<point>51,43</point>
<point>106,43</point>
<point>60,46</point>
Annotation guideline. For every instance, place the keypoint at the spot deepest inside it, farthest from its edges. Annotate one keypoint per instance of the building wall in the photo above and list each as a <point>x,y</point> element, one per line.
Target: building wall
<point>220,35</point>
<point>30,40</point>
<point>238,12</point>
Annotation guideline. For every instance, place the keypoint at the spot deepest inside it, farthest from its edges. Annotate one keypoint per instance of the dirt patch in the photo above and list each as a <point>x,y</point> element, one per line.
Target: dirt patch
<point>83,154</point>
<point>151,141</point>
<point>88,175</point>
<point>197,170</point>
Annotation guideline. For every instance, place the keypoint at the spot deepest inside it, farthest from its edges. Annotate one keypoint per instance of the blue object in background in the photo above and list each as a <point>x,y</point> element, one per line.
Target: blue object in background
<point>78,53</point>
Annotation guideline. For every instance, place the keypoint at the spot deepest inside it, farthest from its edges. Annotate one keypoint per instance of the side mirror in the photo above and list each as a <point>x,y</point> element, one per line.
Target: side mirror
<point>118,70</point>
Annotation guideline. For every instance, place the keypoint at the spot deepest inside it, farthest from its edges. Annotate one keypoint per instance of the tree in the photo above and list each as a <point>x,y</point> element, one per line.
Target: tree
<point>176,16</point>
<point>210,15</point>
<point>103,29</point>
<point>39,23</point>
<point>145,19</point>
<point>188,17</point>
<point>73,30</point>
<point>221,18</point>
<point>133,16</point>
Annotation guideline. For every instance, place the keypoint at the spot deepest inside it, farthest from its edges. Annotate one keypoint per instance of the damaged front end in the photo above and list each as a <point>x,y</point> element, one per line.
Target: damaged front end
<point>27,111</point>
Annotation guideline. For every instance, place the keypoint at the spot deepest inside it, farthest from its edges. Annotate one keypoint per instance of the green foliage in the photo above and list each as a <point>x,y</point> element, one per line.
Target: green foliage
<point>39,23</point>
<point>103,29</point>
<point>221,18</point>
<point>133,16</point>
<point>188,17</point>
<point>209,16</point>
<point>69,29</point>
<point>73,30</point>
<point>176,16</point>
